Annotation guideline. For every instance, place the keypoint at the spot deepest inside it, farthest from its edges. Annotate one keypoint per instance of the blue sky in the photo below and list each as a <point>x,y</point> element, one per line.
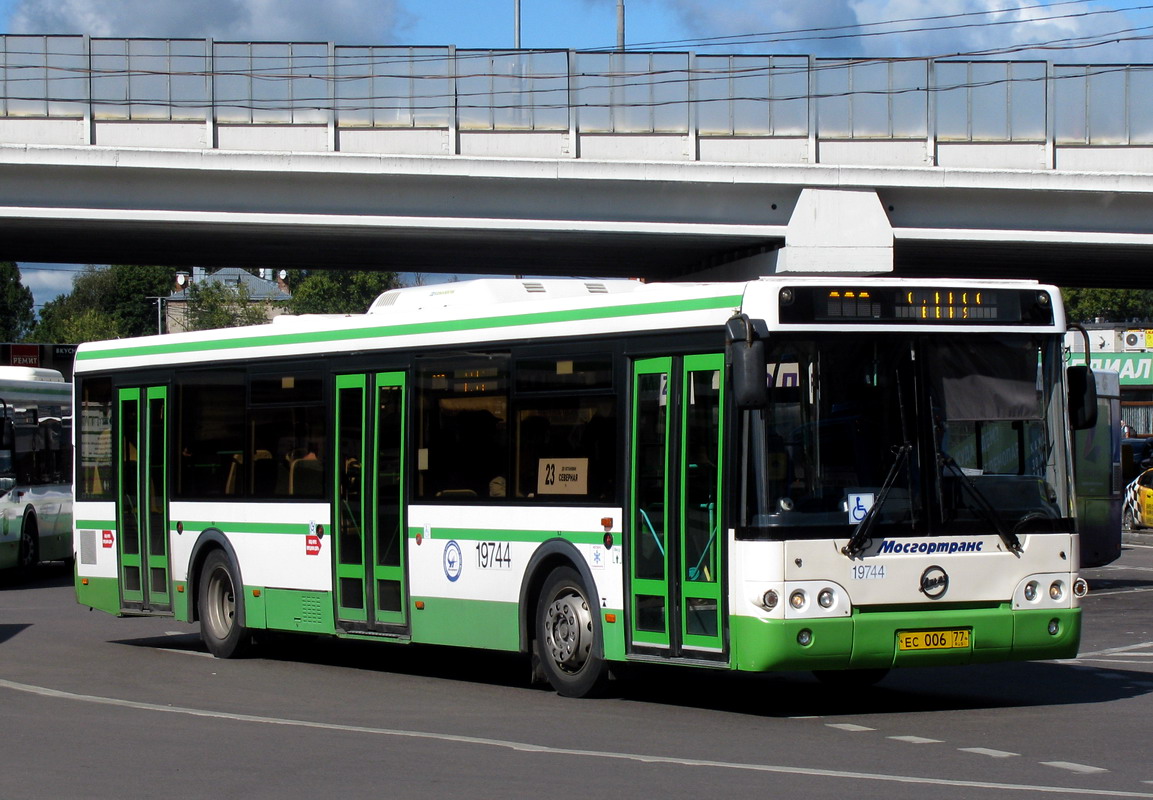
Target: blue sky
<point>846,28</point>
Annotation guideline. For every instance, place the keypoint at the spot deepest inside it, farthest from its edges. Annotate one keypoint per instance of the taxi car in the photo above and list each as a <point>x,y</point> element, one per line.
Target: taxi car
<point>1138,508</point>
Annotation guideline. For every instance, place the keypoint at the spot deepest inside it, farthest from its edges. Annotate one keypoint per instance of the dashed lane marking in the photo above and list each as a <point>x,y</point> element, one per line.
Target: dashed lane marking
<point>985,751</point>
<point>914,739</point>
<point>1082,769</point>
<point>848,726</point>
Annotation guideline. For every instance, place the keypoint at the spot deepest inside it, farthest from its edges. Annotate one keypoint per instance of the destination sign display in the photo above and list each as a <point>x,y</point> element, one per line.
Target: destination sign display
<point>921,305</point>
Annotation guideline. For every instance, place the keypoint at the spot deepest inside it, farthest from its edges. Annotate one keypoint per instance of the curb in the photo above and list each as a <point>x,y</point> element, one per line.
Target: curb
<point>1144,537</point>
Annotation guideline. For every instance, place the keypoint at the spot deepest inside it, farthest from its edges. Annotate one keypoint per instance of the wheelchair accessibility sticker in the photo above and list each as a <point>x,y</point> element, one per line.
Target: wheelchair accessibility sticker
<point>859,505</point>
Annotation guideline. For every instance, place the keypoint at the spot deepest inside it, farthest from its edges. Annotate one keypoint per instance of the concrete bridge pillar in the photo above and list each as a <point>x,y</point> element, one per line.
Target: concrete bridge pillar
<point>837,230</point>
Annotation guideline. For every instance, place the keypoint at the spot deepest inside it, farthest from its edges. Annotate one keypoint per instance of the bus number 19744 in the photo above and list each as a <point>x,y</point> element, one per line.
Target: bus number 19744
<point>493,555</point>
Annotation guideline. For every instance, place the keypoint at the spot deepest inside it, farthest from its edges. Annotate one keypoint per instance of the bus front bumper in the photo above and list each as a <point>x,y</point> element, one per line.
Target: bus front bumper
<point>878,639</point>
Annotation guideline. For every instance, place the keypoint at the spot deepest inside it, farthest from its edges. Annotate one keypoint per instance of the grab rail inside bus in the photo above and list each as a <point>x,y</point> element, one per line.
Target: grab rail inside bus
<point>652,530</point>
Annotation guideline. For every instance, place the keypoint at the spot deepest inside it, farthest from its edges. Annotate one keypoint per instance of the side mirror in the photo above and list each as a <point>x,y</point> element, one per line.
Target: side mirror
<point>747,356</point>
<point>1082,397</point>
<point>7,435</point>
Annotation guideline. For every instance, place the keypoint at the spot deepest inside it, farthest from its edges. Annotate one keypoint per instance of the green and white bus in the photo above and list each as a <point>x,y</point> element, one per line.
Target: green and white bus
<point>35,467</point>
<point>839,475</point>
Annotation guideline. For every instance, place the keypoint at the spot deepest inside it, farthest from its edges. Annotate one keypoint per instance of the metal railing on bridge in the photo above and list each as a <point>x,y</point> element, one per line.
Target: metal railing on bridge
<point>700,97</point>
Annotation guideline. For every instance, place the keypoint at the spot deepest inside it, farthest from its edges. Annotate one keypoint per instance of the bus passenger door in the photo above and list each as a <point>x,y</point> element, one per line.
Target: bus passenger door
<point>676,576</point>
<point>143,500</point>
<point>368,484</point>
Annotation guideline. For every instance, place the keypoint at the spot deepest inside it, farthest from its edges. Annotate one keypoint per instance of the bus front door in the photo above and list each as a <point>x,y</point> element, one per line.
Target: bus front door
<point>143,523</point>
<point>368,484</point>
<point>676,565</point>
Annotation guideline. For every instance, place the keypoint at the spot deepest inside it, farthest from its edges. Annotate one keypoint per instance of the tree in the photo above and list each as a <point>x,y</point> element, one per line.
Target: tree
<point>338,291</point>
<point>120,296</point>
<point>215,304</point>
<point>16,316</point>
<point>1108,305</point>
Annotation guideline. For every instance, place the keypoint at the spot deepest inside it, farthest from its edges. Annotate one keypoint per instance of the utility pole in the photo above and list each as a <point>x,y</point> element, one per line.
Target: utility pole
<point>516,24</point>
<point>620,25</point>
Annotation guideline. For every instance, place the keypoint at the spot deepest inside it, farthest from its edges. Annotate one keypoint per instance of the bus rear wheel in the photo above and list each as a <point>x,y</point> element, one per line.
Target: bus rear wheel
<point>568,636</point>
<point>218,607</point>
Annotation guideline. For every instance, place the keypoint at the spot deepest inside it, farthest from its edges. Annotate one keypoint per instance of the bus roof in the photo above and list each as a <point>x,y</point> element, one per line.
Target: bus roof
<point>489,310</point>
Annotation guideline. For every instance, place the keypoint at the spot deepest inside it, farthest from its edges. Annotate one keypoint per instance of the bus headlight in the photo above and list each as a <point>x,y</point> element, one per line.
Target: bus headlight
<point>825,598</point>
<point>770,599</point>
<point>1031,591</point>
<point>1056,591</point>
<point>798,599</point>
<point>1080,587</point>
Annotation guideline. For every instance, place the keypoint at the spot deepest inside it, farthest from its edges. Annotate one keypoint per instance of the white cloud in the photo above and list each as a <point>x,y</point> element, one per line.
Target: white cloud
<point>856,28</point>
<point>342,21</point>
<point>48,281</point>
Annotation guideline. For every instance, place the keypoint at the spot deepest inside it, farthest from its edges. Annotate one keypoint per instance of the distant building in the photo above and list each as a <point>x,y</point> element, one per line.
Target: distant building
<point>49,356</point>
<point>1127,350</point>
<point>259,288</point>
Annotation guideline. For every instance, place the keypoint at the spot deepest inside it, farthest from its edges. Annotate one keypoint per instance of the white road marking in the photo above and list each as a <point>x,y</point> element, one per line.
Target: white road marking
<point>848,726</point>
<point>1131,590</point>
<point>914,739</point>
<point>184,652</point>
<point>527,747</point>
<point>1083,769</point>
<point>985,751</point>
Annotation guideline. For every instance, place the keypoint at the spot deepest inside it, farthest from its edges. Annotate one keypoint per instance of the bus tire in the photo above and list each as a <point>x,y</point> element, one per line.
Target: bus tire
<point>850,678</point>
<point>568,636</point>
<point>29,543</point>
<point>218,597</point>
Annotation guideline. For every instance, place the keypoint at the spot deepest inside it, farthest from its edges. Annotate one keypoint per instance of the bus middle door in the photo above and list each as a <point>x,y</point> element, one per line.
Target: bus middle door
<point>676,575</point>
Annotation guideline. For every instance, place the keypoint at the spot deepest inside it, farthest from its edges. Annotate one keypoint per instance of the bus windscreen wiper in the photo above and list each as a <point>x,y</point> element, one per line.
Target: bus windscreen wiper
<point>860,538</point>
<point>982,505</point>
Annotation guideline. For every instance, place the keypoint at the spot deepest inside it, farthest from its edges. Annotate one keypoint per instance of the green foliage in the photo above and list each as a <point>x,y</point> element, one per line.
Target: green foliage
<point>106,303</point>
<point>15,304</point>
<point>1108,305</point>
<point>215,304</point>
<point>337,291</point>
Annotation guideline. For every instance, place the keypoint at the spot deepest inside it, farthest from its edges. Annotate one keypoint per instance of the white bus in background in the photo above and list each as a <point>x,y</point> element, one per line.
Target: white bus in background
<point>35,467</point>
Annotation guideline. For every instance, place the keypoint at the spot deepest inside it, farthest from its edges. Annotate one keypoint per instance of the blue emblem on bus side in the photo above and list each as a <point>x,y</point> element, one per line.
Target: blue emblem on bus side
<point>453,560</point>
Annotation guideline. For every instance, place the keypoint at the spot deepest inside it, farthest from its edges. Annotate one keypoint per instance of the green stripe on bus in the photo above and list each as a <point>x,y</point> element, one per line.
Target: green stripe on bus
<point>103,524</point>
<point>418,328</point>
<point>295,528</point>
<point>498,535</point>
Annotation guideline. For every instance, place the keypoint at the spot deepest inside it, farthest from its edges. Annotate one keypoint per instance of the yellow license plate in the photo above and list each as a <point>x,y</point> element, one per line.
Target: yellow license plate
<point>933,640</point>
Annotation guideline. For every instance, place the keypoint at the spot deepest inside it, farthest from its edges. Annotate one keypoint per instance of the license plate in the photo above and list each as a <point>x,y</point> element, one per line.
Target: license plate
<point>933,640</point>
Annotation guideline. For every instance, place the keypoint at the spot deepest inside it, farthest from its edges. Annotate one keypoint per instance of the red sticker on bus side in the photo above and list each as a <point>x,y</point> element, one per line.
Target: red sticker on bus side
<point>312,545</point>
<point>107,540</point>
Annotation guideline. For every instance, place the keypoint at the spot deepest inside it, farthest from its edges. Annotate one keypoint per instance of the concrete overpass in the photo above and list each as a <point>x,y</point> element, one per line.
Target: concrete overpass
<point>662,165</point>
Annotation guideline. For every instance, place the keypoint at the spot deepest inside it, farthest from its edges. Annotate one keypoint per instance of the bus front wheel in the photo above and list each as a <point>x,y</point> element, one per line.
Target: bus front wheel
<point>568,636</point>
<point>218,605</point>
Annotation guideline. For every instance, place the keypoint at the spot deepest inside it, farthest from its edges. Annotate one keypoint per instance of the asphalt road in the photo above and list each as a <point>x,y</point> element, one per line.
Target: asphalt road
<point>93,706</point>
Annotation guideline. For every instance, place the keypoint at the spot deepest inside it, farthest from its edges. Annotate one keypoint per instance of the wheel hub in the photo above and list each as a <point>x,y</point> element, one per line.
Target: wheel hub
<point>568,630</point>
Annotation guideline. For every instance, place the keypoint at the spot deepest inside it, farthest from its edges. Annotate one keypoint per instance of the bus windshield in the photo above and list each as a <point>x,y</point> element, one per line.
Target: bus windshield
<point>967,430</point>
